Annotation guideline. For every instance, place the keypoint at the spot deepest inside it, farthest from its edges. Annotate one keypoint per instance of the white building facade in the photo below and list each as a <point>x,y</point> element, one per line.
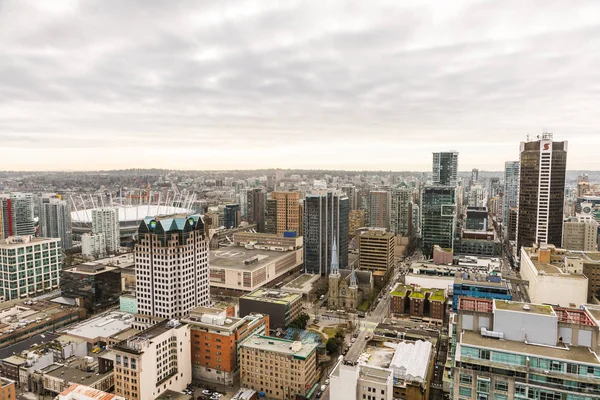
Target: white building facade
<point>106,220</point>
<point>171,266</point>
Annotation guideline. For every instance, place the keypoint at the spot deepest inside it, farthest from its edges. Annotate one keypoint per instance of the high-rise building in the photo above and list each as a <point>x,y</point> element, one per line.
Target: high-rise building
<point>106,221</point>
<point>20,278</point>
<point>376,250</point>
<point>445,168</point>
<point>379,209</point>
<point>93,245</point>
<point>17,214</point>
<point>400,211</point>
<point>171,266</point>
<point>414,228</point>
<point>232,216</point>
<point>474,177</point>
<point>288,212</point>
<point>508,350</point>
<point>256,203</point>
<point>351,192</point>
<point>55,220</point>
<point>580,235</point>
<point>541,192</point>
<point>438,218</point>
<point>325,217</point>
<point>271,216</point>
<point>477,196</point>
<point>511,189</point>
<point>511,224</point>
<point>356,219</point>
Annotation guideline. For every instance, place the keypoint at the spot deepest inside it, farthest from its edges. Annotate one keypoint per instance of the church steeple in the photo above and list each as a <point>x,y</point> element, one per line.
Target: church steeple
<point>335,265</point>
<point>353,279</point>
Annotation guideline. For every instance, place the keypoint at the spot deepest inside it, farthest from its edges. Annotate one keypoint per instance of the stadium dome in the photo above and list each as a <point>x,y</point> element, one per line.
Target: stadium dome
<point>130,217</point>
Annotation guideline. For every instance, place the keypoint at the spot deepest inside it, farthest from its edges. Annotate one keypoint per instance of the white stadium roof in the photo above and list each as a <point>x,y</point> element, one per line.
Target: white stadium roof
<point>131,213</point>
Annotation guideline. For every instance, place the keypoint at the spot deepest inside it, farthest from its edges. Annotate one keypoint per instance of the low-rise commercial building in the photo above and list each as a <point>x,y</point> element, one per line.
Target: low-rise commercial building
<point>480,286</point>
<point>85,371</point>
<point>350,382</point>
<point>215,344</point>
<point>94,285</point>
<point>256,262</point>
<point>80,392</point>
<point>278,368</point>
<point>97,331</point>
<point>153,361</point>
<point>20,320</point>
<point>418,302</point>
<point>555,275</point>
<point>282,307</point>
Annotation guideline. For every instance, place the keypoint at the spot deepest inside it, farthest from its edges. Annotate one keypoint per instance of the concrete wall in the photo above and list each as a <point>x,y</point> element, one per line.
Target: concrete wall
<point>562,290</point>
<point>343,384</point>
<point>526,325</point>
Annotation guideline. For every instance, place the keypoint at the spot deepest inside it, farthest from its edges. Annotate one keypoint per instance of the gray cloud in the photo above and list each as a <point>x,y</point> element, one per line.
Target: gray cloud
<point>393,80</point>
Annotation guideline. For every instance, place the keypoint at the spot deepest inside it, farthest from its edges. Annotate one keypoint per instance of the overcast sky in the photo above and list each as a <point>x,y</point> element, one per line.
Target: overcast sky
<point>108,84</point>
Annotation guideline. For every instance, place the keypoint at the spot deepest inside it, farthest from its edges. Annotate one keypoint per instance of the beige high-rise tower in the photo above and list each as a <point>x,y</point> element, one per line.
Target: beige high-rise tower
<point>286,215</point>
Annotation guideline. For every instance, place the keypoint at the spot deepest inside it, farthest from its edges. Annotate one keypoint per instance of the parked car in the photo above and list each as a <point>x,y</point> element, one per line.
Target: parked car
<point>319,394</point>
<point>207,392</point>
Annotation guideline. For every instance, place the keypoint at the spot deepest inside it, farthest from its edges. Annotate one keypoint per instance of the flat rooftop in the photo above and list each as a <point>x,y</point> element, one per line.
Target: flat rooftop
<point>277,345</point>
<point>89,268</point>
<point>126,334</point>
<point>235,257</point>
<point>481,282</point>
<point>272,296</point>
<point>72,373</point>
<point>303,283</point>
<point>575,353</point>
<point>26,344</point>
<point>19,241</point>
<point>518,306</point>
<point>374,374</point>
<point>103,326</point>
<point>554,270</point>
<point>132,343</point>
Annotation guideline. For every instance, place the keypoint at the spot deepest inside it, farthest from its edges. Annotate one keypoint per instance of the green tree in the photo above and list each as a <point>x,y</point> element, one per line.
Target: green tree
<point>332,345</point>
<point>300,322</point>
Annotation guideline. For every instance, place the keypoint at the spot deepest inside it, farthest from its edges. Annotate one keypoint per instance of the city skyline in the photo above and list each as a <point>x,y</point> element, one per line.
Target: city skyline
<point>358,86</point>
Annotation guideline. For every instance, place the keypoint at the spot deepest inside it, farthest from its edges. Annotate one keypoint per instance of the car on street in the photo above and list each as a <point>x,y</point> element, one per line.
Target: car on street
<point>319,394</point>
<point>207,392</point>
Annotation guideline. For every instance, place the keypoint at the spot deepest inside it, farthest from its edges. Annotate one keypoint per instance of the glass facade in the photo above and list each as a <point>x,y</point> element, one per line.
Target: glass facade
<point>99,288</point>
<point>325,217</point>
<point>535,377</point>
<point>438,216</point>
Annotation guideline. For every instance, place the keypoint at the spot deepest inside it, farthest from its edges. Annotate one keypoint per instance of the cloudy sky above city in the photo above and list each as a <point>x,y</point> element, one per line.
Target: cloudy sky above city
<point>110,84</point>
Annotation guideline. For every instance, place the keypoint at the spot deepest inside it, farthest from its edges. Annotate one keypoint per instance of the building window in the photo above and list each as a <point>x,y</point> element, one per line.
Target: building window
<point>464,391</point>
<point>501,386</point>
<point>466,379</point>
